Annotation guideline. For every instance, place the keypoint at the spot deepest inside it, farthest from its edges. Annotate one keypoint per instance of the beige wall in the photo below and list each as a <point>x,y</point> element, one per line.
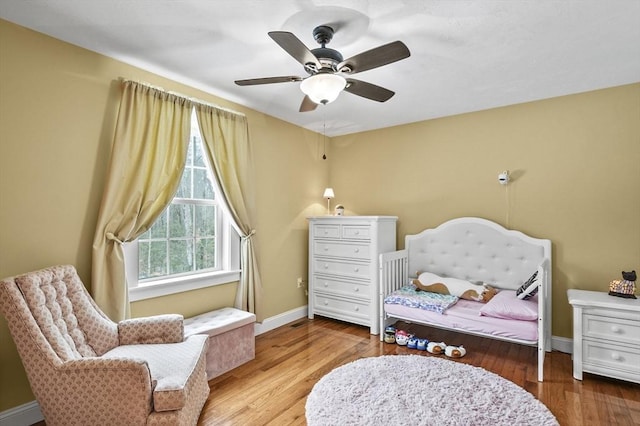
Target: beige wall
<point>57,112</point>
<point>57,115</point>
<point>575,165</point>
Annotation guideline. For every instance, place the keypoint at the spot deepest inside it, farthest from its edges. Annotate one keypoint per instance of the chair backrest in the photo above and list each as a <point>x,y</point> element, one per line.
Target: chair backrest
<point>51,311</point>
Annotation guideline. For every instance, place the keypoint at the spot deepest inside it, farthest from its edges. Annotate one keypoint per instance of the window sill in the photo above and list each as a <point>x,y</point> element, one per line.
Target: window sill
<point>181,284</point>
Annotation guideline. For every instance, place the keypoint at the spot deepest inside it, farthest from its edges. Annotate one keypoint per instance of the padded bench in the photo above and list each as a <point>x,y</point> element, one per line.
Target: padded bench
<point>231,338</point>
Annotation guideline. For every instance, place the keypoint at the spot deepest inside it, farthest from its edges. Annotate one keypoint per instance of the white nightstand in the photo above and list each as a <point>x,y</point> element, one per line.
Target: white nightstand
<point>606,335</point>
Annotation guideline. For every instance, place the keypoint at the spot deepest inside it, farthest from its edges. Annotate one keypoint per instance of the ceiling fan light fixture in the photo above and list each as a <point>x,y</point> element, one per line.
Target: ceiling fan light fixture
<point>323,88</point>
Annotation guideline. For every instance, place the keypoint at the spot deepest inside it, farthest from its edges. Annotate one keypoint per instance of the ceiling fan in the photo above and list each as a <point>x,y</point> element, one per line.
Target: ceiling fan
<point>328,71</point>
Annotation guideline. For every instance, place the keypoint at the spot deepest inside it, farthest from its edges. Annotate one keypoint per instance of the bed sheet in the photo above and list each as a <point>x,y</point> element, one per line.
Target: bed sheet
<point>465,315</point>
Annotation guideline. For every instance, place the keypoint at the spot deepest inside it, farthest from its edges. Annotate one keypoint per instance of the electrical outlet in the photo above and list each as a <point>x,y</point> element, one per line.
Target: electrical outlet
<point>300,282</point>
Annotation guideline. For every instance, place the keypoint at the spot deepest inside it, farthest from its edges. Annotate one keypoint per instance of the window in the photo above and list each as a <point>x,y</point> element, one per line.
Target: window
<point>192,244</point>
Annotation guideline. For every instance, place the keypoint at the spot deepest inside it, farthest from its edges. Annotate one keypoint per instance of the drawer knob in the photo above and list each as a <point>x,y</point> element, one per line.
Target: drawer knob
<point>326,248</point>
<point>326,284</point>
<point>356,269</point>
<point>616,329</point>
<point>326,303</point>
<point>616,356</point>
<point>357,308</point>
<point>357,250</point>
<point>357,232</point>
<point>326,266</point>
<point>357,289</point>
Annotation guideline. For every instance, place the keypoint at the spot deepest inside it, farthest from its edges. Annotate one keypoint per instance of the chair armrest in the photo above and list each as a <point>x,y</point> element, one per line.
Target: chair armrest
<point>102,390</point>
<point>167,328</point>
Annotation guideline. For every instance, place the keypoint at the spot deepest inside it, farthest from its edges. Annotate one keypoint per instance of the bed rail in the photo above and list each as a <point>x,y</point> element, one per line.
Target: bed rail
<point>393,275</point>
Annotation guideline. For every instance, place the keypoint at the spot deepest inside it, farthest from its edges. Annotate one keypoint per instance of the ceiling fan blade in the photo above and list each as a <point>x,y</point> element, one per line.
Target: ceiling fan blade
<point>376,57</point>
<point>307,105</point>
<point>268,80</point>
<point>368,90</point>
<point>294,47</point>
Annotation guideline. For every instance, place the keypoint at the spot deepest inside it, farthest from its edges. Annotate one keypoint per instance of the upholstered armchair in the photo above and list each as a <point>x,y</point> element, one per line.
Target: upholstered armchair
<point>84,369</point>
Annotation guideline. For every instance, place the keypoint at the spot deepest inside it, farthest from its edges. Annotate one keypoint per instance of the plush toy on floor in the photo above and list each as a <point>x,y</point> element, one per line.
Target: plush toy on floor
<point>455,351</point>
<point>436,348</point>
<point>625,287</point>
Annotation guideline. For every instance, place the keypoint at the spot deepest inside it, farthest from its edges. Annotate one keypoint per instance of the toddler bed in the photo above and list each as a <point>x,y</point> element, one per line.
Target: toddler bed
<point>478,251</point>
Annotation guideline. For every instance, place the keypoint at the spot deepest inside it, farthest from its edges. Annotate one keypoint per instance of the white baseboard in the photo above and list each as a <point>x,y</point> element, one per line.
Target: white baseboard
<point>562,344</point>
<point>22,415</point>
<point>280,320</point>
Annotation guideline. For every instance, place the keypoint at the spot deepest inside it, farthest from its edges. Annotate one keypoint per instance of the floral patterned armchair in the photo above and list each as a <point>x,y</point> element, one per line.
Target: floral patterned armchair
<point>84,369</point>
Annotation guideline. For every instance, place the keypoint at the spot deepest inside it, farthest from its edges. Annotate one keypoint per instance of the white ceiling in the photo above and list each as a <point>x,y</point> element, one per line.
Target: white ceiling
<point>465,55</point>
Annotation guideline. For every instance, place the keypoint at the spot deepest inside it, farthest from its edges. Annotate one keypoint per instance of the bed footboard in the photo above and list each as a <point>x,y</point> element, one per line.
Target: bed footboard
<point>393,275</point>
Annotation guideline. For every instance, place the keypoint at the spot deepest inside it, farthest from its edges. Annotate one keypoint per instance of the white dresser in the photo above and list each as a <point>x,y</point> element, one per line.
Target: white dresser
<point>606,335</point>
<point>343,266</point>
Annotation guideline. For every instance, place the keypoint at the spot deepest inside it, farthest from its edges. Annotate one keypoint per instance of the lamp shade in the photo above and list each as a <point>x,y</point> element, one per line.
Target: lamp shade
<point>323,88</point>
<point>328,193</point>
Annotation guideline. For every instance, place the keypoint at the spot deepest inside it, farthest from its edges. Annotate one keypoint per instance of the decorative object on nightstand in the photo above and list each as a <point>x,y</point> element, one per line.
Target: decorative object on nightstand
<point>328,194</point>
<point>339,210</point>
<point>606,335</point>
<point>344,256</point>
<point>626,287</point>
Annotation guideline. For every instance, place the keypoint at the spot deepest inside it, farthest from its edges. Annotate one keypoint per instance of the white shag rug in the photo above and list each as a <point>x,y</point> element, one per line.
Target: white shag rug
<point>420,390</point>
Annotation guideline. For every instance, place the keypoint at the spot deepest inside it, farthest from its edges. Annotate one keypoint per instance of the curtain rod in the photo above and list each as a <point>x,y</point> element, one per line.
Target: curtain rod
<point>180,95</point>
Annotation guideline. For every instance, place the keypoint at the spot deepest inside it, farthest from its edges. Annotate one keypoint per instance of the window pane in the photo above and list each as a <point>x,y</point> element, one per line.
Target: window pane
<point>152,259</point>
<point>189,162</point>
<point>181,220</point>
<point>198,159</point>
<point>205,253</point>
<point>180,256</point>
<point>184,190</point>
<point>202,185</point>
<point>159,228</point>
<point>205,221</point>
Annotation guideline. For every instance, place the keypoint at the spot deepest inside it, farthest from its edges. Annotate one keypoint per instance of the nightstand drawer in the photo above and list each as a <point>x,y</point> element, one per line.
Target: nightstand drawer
<point>354,251</point>
<point>619,330</point>
<point>326,231</point>
<point>347,269</point>
<point>605,354</point>
<point>348,310</point>
<point>344,288</point>
<point>356,232</point>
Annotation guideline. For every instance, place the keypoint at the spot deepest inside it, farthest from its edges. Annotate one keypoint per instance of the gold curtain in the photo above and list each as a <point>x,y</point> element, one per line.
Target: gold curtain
<point>226,140</point>
<point>148,156</point>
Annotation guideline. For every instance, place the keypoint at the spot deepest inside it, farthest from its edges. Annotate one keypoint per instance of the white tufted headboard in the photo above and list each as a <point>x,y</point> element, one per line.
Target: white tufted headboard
<point>479,250</point>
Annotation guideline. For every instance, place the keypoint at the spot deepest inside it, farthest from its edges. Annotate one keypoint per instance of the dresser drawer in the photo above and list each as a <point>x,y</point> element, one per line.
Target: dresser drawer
<point>326,231</point>
<point>606,327</point>
<point>356,232</point>
<point>604,354</point>
<point>347,269</point>
<point>354,251</point>
<point>344,288</point>
<point>349,310</point>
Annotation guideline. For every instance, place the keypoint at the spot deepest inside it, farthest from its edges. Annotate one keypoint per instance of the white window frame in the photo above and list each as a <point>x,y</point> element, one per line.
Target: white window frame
<point>229,258</point>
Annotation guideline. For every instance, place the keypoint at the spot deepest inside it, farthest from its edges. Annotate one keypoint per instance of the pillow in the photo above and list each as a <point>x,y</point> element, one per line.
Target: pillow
<point>529,288</point>
<point>506,305</point>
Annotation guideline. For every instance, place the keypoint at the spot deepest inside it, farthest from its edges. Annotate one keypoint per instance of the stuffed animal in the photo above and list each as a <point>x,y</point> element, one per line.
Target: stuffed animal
<point>455,351</point>
<point>436,348</point>
<point>453,286</point>
<point>625,287</point>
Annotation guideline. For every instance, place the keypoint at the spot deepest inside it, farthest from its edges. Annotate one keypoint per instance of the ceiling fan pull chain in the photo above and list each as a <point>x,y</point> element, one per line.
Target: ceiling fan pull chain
<point>324,136</point>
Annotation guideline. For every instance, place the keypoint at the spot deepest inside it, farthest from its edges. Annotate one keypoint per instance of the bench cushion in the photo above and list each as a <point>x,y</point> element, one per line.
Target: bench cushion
<point>217,322</point>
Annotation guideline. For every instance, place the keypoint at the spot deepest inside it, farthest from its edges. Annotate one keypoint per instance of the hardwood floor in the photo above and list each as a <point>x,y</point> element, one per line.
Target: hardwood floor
<point>272,389</point>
